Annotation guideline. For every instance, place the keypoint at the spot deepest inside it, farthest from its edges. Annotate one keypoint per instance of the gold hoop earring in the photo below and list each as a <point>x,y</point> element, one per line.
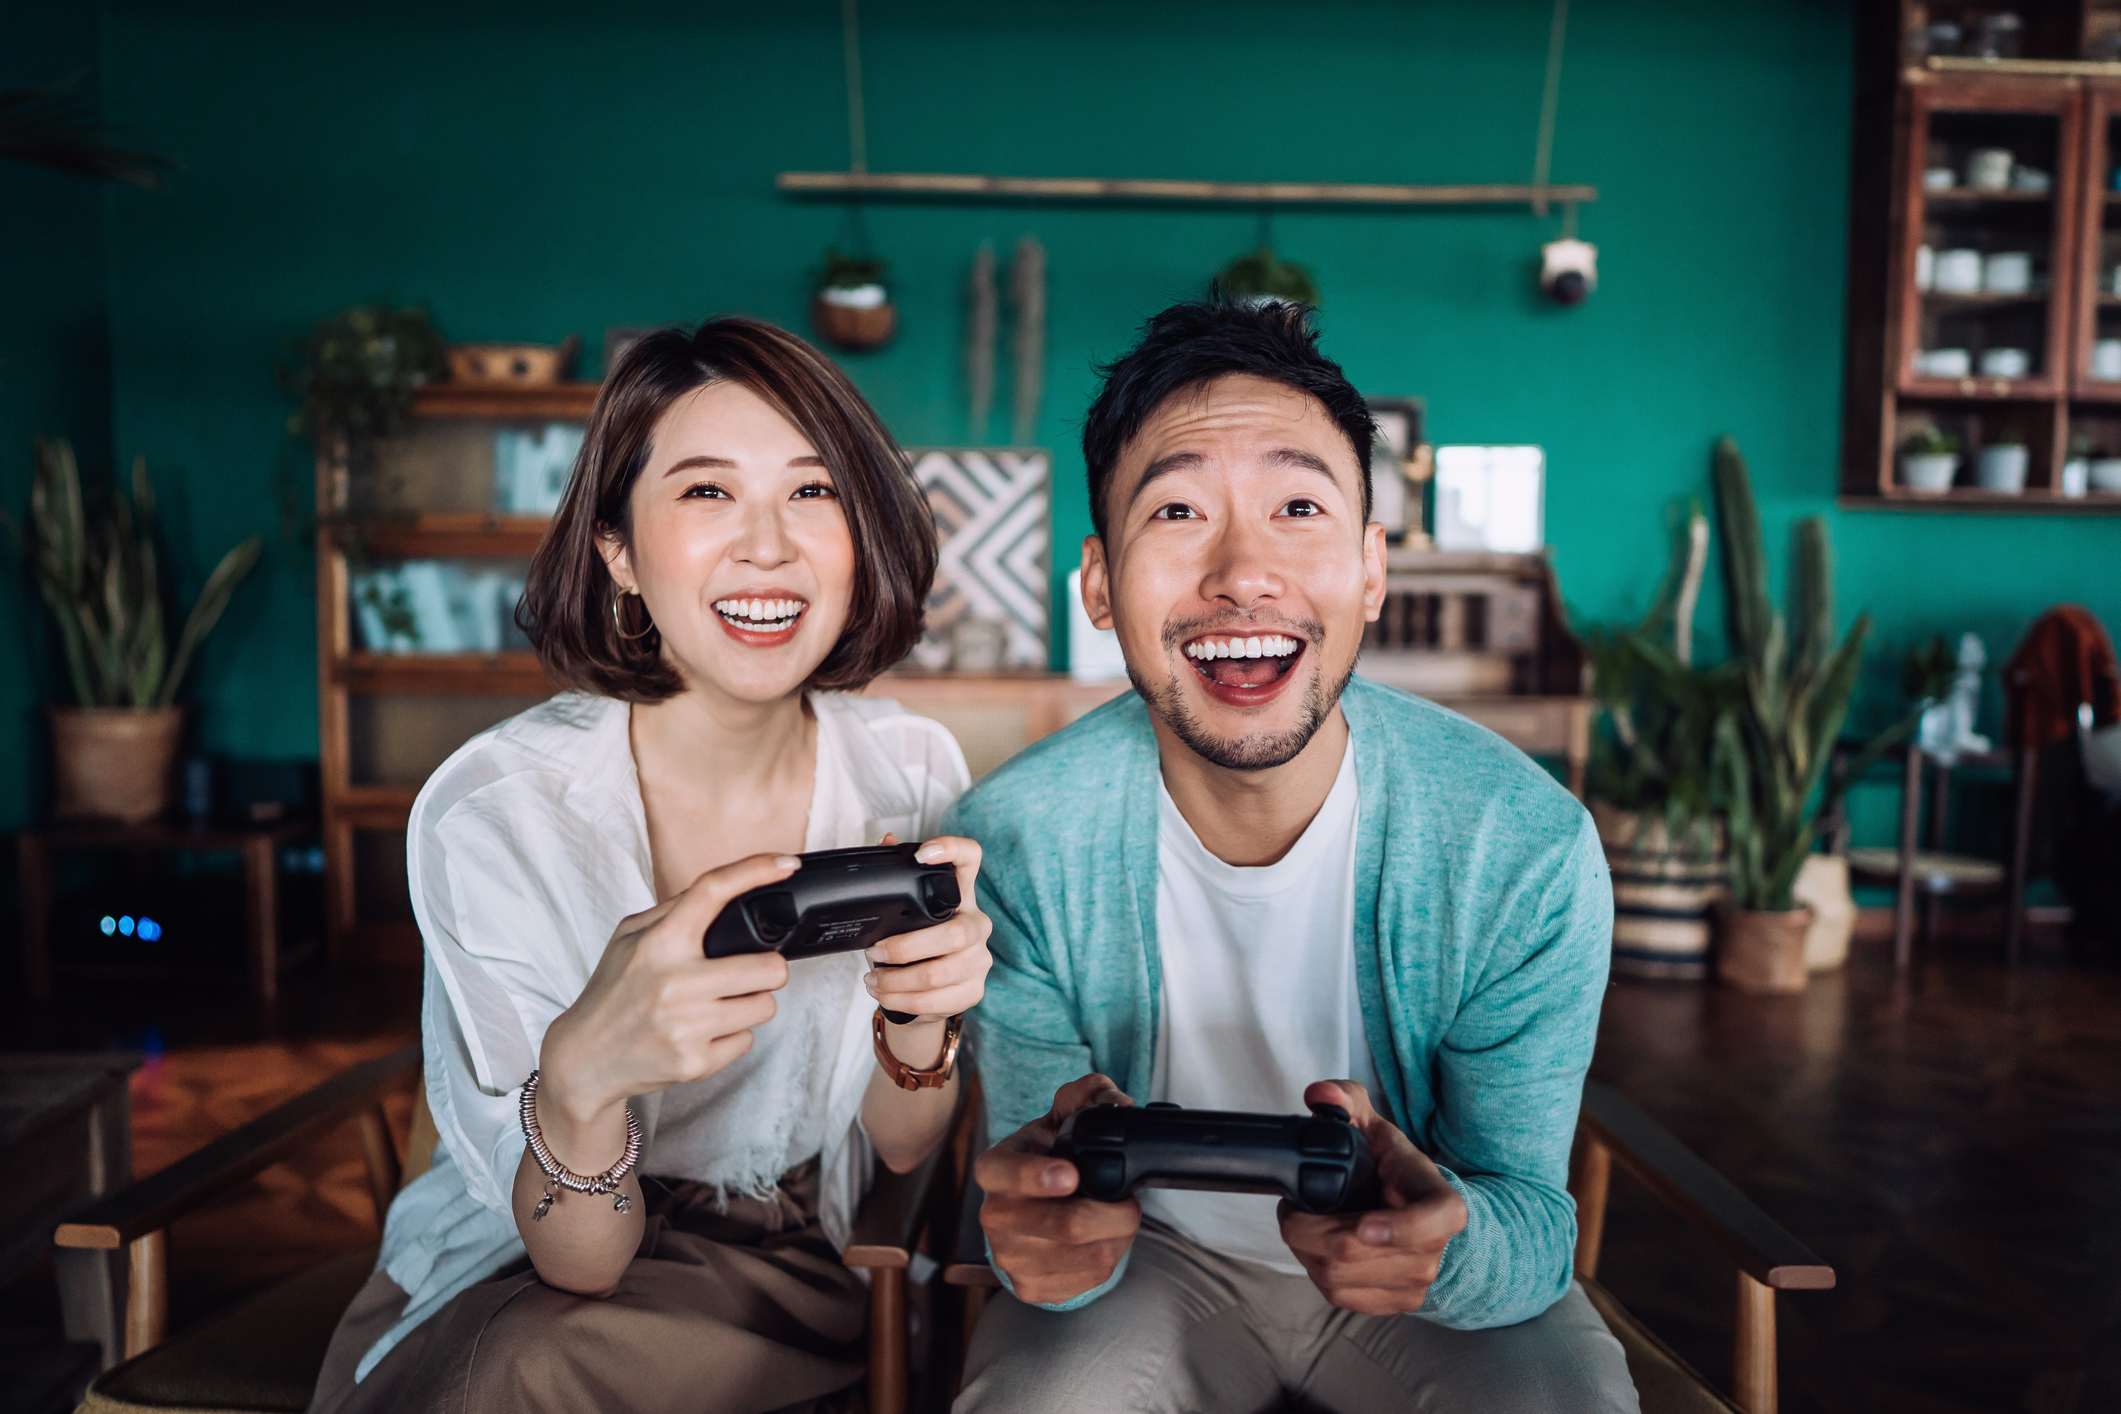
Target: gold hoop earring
<point>618,624</point>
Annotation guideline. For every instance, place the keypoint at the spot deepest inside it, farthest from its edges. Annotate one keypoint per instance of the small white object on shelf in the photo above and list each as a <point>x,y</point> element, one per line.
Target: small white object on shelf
<point>2076,476</point>
<point>1925,267</point>
<point>2105,474</point>
<point>531,468</point>
<point>2005,363</point>
<point>1989,169</point>
<point>1929,473</point>
<point>2007,272</point>
<point>1958,272</point>
<point>2001,468</point>
<point>2106,360</point>
<point>1491,498</point>
<point>1939,179</point>
<point>1093,652</point>
<point>1944,363</point>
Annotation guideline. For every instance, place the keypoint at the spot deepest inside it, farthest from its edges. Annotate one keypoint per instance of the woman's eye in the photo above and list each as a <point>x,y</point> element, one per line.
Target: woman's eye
<point>816,490</point>
<point>704,491</point>
<point>1174,511</point>
<point>1303,506</point>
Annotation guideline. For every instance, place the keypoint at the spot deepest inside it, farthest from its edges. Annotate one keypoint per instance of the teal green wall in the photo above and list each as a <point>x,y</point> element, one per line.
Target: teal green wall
<point>536,169</point>
<point>54,357</point>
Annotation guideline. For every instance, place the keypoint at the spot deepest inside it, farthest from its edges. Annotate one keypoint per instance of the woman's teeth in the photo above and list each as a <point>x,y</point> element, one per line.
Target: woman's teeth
<point>763,614</point>
<point>1271,645</point>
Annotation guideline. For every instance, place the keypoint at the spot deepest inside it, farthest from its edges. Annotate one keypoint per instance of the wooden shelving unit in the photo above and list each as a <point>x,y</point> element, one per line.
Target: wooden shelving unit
<point>386,719</point>
<point>2055,113</point>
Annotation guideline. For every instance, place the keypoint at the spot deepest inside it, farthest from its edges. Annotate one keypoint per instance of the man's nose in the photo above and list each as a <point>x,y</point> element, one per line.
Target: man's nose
<point>1240,569</point>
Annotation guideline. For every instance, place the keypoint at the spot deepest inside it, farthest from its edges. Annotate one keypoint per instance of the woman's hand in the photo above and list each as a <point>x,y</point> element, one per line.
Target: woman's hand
<point>657,1012</point>
<point>941,970</point>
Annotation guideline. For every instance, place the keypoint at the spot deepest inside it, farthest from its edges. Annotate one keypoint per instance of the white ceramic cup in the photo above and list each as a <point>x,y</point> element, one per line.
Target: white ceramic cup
<point>1958,272</point>
<point>1925,267</point>
<point>2106,360</point>
<point>1928,474</point>
<point>1989,169</point>
<point>2076,475</point>
<point>2001,468</point>
<point>1939,179</point>
<point>1944,363</point>
<point>2105,474</point>
<point>2031,179</point>
<point>2007,272</point>
<point>2005,363</point>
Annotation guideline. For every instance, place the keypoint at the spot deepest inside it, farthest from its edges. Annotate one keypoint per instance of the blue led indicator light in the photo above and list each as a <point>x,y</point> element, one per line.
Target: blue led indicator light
<point>150,931</point>
<point>125,925</point>
<point>109,925</point>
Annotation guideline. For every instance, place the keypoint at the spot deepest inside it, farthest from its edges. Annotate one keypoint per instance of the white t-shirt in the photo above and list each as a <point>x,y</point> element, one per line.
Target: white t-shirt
<point>1259,997</point>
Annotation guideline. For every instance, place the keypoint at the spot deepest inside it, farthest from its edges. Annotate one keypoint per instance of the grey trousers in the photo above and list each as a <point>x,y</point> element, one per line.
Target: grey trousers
<point>1188,1331</point>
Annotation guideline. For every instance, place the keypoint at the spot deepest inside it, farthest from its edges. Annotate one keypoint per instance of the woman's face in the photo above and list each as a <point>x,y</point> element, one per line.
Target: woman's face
<point>740,547</point>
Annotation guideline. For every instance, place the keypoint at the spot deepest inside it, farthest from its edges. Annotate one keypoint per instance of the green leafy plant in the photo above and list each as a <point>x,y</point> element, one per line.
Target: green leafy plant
<point>1261,274</point>
<point>54,127</point>
<point>1658,712</point>
<point>1931,441</point>
<point>1926,671</point>
<point>1771,752</point>
<point>850,272</point>
<point>98,572</point>
<point>356,373</point>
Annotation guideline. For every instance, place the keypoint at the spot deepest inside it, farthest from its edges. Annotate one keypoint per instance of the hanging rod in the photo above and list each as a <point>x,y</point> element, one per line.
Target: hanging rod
<point>943,184</point>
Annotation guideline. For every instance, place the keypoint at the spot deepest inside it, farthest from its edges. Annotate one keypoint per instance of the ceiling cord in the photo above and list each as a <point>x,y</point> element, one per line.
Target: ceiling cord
<point>1549,101</point>
<point>857,134</point>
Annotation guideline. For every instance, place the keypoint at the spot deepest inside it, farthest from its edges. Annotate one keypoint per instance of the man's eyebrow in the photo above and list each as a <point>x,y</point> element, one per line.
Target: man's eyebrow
<point>1187,461</point>
<point>724,464</point>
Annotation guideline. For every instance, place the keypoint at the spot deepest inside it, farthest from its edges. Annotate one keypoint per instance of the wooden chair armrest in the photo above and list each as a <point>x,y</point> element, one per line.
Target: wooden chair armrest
<point>888,1224</point>
<point>162,1197</point>
<point>968,1264</point>
<point>1704,1198</point>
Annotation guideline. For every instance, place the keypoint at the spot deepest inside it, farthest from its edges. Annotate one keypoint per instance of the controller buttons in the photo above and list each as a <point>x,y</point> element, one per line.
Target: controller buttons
<point>1104,1176</point>
<point>1318,1187</point>
<point>1324,1111</point>
<point>773,916</point>
<point>939,894</point>
<point>1326,1141</point>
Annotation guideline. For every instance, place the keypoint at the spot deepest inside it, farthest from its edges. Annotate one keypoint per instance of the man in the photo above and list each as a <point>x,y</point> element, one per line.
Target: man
<point>1263,882</point>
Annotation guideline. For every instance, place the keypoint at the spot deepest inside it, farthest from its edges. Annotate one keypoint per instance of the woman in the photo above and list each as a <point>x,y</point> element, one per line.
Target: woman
<point>740,546</point>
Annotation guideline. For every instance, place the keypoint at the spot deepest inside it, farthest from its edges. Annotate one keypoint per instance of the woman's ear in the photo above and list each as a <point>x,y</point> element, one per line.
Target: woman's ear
<point>612,546</point>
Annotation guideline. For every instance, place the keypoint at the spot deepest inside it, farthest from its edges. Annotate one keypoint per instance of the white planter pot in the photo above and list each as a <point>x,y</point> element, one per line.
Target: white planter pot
<point>2001,468</point>
<point>1823,887</point>
<point>2105,474</point>
<point>1929,473</point>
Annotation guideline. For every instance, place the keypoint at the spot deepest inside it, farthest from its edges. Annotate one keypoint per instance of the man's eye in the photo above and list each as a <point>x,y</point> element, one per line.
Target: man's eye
<point>704,491</point>
<point>1303,507</point>
<point>816,491</point>
<point>1174,511</point>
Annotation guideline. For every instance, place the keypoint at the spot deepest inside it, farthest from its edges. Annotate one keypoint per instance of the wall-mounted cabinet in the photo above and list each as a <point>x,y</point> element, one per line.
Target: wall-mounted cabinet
<point>1984,321</point>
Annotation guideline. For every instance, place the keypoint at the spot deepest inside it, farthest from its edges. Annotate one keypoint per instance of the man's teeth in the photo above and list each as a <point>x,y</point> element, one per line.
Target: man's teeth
<point>776,613</point>
<point>1269,645</point>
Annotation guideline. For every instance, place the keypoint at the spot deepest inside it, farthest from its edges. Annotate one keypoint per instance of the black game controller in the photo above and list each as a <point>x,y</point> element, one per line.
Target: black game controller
<point>1319,1162</point>
<point>838,900</point>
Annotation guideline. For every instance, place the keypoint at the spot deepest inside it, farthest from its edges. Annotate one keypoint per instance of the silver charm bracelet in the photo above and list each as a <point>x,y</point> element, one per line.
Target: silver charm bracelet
<point>559,1176</point>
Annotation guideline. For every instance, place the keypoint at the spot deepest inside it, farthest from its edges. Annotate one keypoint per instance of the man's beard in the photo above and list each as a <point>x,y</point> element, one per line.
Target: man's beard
<point>1247,753</point>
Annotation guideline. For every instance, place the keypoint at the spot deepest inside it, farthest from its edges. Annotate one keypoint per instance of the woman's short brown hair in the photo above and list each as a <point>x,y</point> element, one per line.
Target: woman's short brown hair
<point>567,602</point>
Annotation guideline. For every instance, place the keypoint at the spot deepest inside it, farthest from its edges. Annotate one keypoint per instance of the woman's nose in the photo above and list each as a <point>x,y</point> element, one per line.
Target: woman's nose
<point>765,542</point>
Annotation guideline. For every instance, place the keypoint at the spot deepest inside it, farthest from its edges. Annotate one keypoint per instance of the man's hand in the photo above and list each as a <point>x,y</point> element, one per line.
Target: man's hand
<point>1379,1263</point>
<point>1052,1247</point>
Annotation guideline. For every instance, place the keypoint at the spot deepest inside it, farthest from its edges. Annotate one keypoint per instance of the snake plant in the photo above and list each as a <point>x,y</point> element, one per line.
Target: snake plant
<point>98,572</point>
<point>1771,753</point>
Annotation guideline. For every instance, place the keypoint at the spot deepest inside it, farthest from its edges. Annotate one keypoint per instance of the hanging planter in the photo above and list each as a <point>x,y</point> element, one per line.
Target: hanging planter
<point>1260,276</point>
<point>852,309</point>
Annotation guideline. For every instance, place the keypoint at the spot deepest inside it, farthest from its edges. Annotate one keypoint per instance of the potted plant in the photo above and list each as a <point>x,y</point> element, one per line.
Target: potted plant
<point>99,574</point>
<point>2001,465</point>
<point>852,309</point>
<point>1929,460</point>
<point>356,373</point>
<point>1652,794</point>
<point>1260,275</point>
<point>1772,749</point>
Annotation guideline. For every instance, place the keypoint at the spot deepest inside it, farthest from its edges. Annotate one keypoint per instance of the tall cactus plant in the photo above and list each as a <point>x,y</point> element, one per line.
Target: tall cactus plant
<point>1771,753</point>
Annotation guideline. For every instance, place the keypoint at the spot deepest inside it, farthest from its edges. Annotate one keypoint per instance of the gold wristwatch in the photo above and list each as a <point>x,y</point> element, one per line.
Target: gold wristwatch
<point>905,1076</point>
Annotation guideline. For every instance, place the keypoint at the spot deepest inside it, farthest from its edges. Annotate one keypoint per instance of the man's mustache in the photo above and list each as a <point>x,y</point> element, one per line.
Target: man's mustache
<point>1178,631</point>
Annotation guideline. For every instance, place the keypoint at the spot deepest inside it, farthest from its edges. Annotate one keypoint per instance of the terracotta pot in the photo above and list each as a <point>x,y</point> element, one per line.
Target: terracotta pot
<point>114,763</point>
<point>1823,887</point>
<point>1663,895</point>
<point>855,330</point>
<point>1762,952</point>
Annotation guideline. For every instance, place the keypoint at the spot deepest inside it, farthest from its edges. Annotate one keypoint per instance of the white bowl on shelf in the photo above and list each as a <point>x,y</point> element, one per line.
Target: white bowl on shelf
<point>1958,272</point>
<point>1944,363</point>
<point>1930,474</point>
<point>2005,363</point>
<point>2105,474</point>
<point>2007,272</point>
<point>2001,468</point>
<point>1939,179</point>
<point>2106,360</point>
<point>2076,475</point>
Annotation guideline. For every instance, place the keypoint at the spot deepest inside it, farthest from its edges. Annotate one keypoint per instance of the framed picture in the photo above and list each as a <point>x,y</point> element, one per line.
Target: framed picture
<point>1398,466</point>
<point>989,605</point>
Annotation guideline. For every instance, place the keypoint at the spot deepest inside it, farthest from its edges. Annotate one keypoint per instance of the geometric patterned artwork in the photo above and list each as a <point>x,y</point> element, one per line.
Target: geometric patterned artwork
<point>990,506</point>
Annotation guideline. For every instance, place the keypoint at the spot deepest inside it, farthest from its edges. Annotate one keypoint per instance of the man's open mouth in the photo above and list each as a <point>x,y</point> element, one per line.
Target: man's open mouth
<point>761,615</point>
<point>1244,660</point>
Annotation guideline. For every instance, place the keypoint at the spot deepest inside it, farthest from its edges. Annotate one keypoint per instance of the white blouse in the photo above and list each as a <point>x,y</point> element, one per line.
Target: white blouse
<point>524,851</point>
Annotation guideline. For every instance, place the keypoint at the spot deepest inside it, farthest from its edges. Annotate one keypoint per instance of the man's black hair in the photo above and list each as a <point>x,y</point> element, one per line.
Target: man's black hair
<point>1192,344</point>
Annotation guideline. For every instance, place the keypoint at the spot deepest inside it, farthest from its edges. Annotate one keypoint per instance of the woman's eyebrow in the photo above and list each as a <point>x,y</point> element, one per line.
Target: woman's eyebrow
<point>725,464</point>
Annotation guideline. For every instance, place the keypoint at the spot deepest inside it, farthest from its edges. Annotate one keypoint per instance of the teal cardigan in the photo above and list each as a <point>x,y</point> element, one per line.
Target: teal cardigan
<point>1483,926</point>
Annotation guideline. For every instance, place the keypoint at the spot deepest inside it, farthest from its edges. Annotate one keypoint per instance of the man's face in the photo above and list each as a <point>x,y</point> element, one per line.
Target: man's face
<point>1237,568</point>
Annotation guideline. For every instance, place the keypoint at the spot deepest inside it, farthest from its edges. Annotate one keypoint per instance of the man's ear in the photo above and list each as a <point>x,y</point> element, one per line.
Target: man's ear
<point>1097,584</point>
<point>613,548</point>
<point>1373,572</point>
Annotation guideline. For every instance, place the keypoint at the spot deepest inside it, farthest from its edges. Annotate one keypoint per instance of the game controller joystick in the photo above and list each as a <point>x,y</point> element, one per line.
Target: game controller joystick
<point>1320,1162</point>
<point>838,900</point>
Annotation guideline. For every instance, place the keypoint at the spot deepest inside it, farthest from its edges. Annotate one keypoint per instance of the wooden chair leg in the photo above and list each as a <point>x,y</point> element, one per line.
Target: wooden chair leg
<point>1593,1175</point>
<point>1904,900</point>
<point>887,1340</point>
<point>2024,787</point>
<point>381,1156</point>
<point>147,1293</point>
<point>1753,1347</point>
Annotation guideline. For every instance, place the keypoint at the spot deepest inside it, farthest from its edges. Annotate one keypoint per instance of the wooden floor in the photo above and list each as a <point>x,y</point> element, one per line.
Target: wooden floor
<point>1950,1141</point>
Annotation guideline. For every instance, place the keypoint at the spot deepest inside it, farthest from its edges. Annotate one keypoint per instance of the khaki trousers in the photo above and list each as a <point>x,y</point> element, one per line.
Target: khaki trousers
<point>1188,1331</point>
<point>740,1310</point>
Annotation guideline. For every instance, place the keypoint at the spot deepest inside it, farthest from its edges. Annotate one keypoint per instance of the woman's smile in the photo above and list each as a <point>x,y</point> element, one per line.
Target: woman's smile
<point>764,620</point>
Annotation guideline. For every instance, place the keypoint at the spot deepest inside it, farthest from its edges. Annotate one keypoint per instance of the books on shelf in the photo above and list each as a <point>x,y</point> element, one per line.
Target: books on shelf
<point>436,606</point>
<point>531,467</point>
